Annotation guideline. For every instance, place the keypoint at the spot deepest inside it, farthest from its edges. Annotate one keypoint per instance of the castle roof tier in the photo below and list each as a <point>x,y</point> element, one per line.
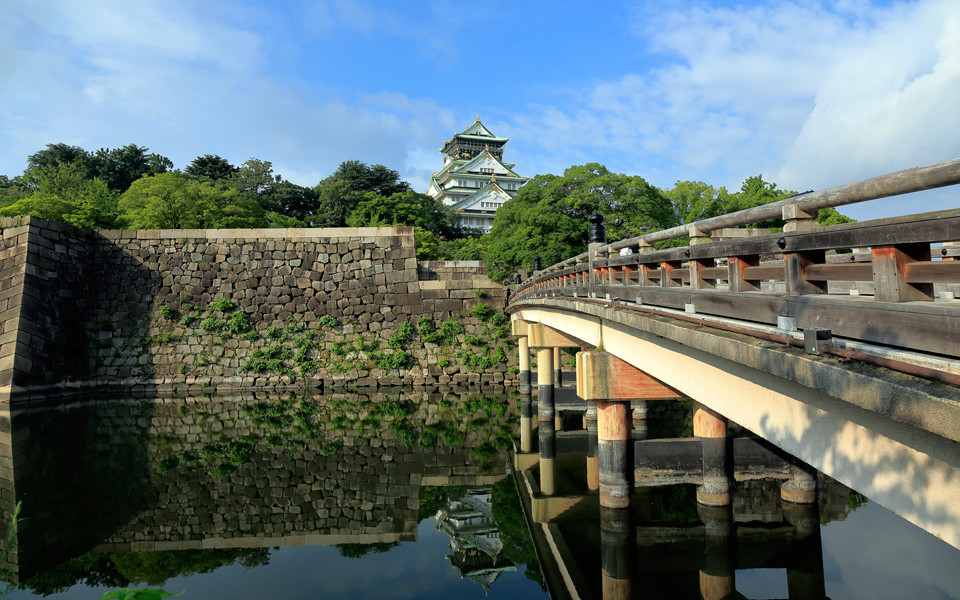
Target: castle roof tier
<point>473,160</point>
<point>473,140</point>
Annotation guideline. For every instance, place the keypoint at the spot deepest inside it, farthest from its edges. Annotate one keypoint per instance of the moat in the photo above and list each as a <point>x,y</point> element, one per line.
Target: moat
<point>406,494</point>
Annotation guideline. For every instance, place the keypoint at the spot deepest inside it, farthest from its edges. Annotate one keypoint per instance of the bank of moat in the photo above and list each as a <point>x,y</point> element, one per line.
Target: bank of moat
<point>195,309</point>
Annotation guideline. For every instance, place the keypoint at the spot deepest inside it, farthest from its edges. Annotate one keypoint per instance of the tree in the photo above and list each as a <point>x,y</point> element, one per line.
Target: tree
<point>61,153</point>
<point>343,190</point>
<point>548,217</point>
<point>120,167</point>
<point>60,192</point>
<point>695,200</point>
<point>254,175</point>
<point>210,166</point>
<point>170,201</point>
<point>405,208</point>
<point>292,200</point>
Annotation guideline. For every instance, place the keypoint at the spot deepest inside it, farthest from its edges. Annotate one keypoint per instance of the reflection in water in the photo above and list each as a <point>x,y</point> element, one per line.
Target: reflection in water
<point>475,542</point>
<point>669,545</point>
<point>121,492</point>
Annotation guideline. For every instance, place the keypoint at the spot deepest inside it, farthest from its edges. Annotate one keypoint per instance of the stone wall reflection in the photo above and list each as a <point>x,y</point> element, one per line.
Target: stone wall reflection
<point>245,471</point>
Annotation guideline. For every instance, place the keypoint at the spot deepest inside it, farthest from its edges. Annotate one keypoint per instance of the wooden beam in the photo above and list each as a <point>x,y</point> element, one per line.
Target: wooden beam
<point>541,336</point>
<point>603,376</point>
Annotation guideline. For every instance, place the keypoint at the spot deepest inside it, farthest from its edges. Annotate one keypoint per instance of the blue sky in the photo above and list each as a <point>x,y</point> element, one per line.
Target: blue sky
<point>810,94</point>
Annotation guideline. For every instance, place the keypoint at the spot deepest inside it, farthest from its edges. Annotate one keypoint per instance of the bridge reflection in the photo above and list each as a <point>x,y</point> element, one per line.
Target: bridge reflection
<point>667,543</point>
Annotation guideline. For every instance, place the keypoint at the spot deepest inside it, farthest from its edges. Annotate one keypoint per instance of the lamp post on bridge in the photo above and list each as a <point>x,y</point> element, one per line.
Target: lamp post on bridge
<point>596,237</point>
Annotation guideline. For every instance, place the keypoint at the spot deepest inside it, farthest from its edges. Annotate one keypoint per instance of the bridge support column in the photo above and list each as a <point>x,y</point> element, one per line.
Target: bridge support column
<point>717,578</point>
<point>526,424</point>
<point>801,488</point>
<point>545,408</point>
<point>640,410</point>
<point>557,369</point>
<point>805,572</point>
<point>711,427</point>
<point>617,543</point>
<point>593,463</point>
<point>546,340</point>
<point>524,364</point>
<point>548,453</point>
<point>613,383</point>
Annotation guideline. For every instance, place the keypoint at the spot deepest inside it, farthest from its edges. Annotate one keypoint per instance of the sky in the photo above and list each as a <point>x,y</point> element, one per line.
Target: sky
<point>809,94</point>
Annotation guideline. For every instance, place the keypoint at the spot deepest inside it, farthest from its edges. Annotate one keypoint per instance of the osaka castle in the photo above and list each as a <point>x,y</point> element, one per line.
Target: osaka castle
<point>475,181</point>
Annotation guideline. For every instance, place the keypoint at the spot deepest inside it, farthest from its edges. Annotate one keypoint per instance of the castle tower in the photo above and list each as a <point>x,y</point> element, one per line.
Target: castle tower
<point>474,180</point>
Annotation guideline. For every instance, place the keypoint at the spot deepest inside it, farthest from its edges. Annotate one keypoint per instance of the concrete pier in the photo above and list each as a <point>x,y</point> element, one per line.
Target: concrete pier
<point>524,364</point>
<point>711,428</point>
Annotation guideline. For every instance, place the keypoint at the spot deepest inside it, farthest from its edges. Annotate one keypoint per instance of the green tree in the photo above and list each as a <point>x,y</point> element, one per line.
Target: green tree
<point>254,175</point>
<point>60,192</point>
<point>549,216</point>
<point>120,167</point>
<point>695,200</point>
<point>170,201</point>
<point>340,193</point>
<point>210,166</point>
<point>404,208</point>
<point>291,200</point>
<point>61,153</point>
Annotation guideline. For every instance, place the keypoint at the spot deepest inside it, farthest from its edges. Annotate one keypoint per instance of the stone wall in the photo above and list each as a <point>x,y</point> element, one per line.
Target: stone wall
<point>192,309</point>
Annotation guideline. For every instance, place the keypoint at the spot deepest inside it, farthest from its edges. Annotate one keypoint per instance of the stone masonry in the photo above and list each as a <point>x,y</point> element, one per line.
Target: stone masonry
<point>82,308</point>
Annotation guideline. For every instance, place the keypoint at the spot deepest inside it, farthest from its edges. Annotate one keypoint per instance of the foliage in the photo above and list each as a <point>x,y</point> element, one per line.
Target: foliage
<point>446,335</point>
<point>166,311</point>
<point>517,544</point>
<point>549,216</point>
<point>481,312</point>
<point>222,304</point>
<point>210,166</point>
<point>327,321</point>
<point>401,335</point>
<point>170,201</point>
<point>404,208</point>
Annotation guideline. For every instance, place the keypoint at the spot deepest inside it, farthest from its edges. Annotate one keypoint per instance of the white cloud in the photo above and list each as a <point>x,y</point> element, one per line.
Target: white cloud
<point>809,95</point>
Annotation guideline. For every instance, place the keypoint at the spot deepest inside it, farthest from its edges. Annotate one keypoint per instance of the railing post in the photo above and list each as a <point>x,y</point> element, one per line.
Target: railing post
<point>596,237</point>
<point>735,267</point>
<point>890,269</point>
<point>795,272</point>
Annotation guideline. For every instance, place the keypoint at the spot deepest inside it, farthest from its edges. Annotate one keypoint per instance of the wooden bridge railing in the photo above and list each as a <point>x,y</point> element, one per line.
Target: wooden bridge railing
<point>888,281</point>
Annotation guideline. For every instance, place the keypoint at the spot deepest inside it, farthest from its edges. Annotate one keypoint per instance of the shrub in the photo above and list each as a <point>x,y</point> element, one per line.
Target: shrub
<point>401,335</point>
<point>213,324</point>
<point>238,323</point>
<point>166,312</point>
<point>327,321</point>
<point>396,360</point>
<point>481,312</point>
<point>222,304</point>
<point>188,320</point>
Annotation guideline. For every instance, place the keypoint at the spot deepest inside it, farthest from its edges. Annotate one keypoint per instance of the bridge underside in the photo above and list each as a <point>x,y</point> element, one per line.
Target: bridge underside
<point>888,435</point>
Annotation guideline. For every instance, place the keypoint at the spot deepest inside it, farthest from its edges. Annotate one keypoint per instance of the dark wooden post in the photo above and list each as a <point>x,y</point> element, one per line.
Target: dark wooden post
<point>735,268</point>
<point>890,269</point>
<point>795,266</point>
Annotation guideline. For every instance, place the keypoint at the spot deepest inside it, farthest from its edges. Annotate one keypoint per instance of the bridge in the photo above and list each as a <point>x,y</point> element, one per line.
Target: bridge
<point>840,345</point>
